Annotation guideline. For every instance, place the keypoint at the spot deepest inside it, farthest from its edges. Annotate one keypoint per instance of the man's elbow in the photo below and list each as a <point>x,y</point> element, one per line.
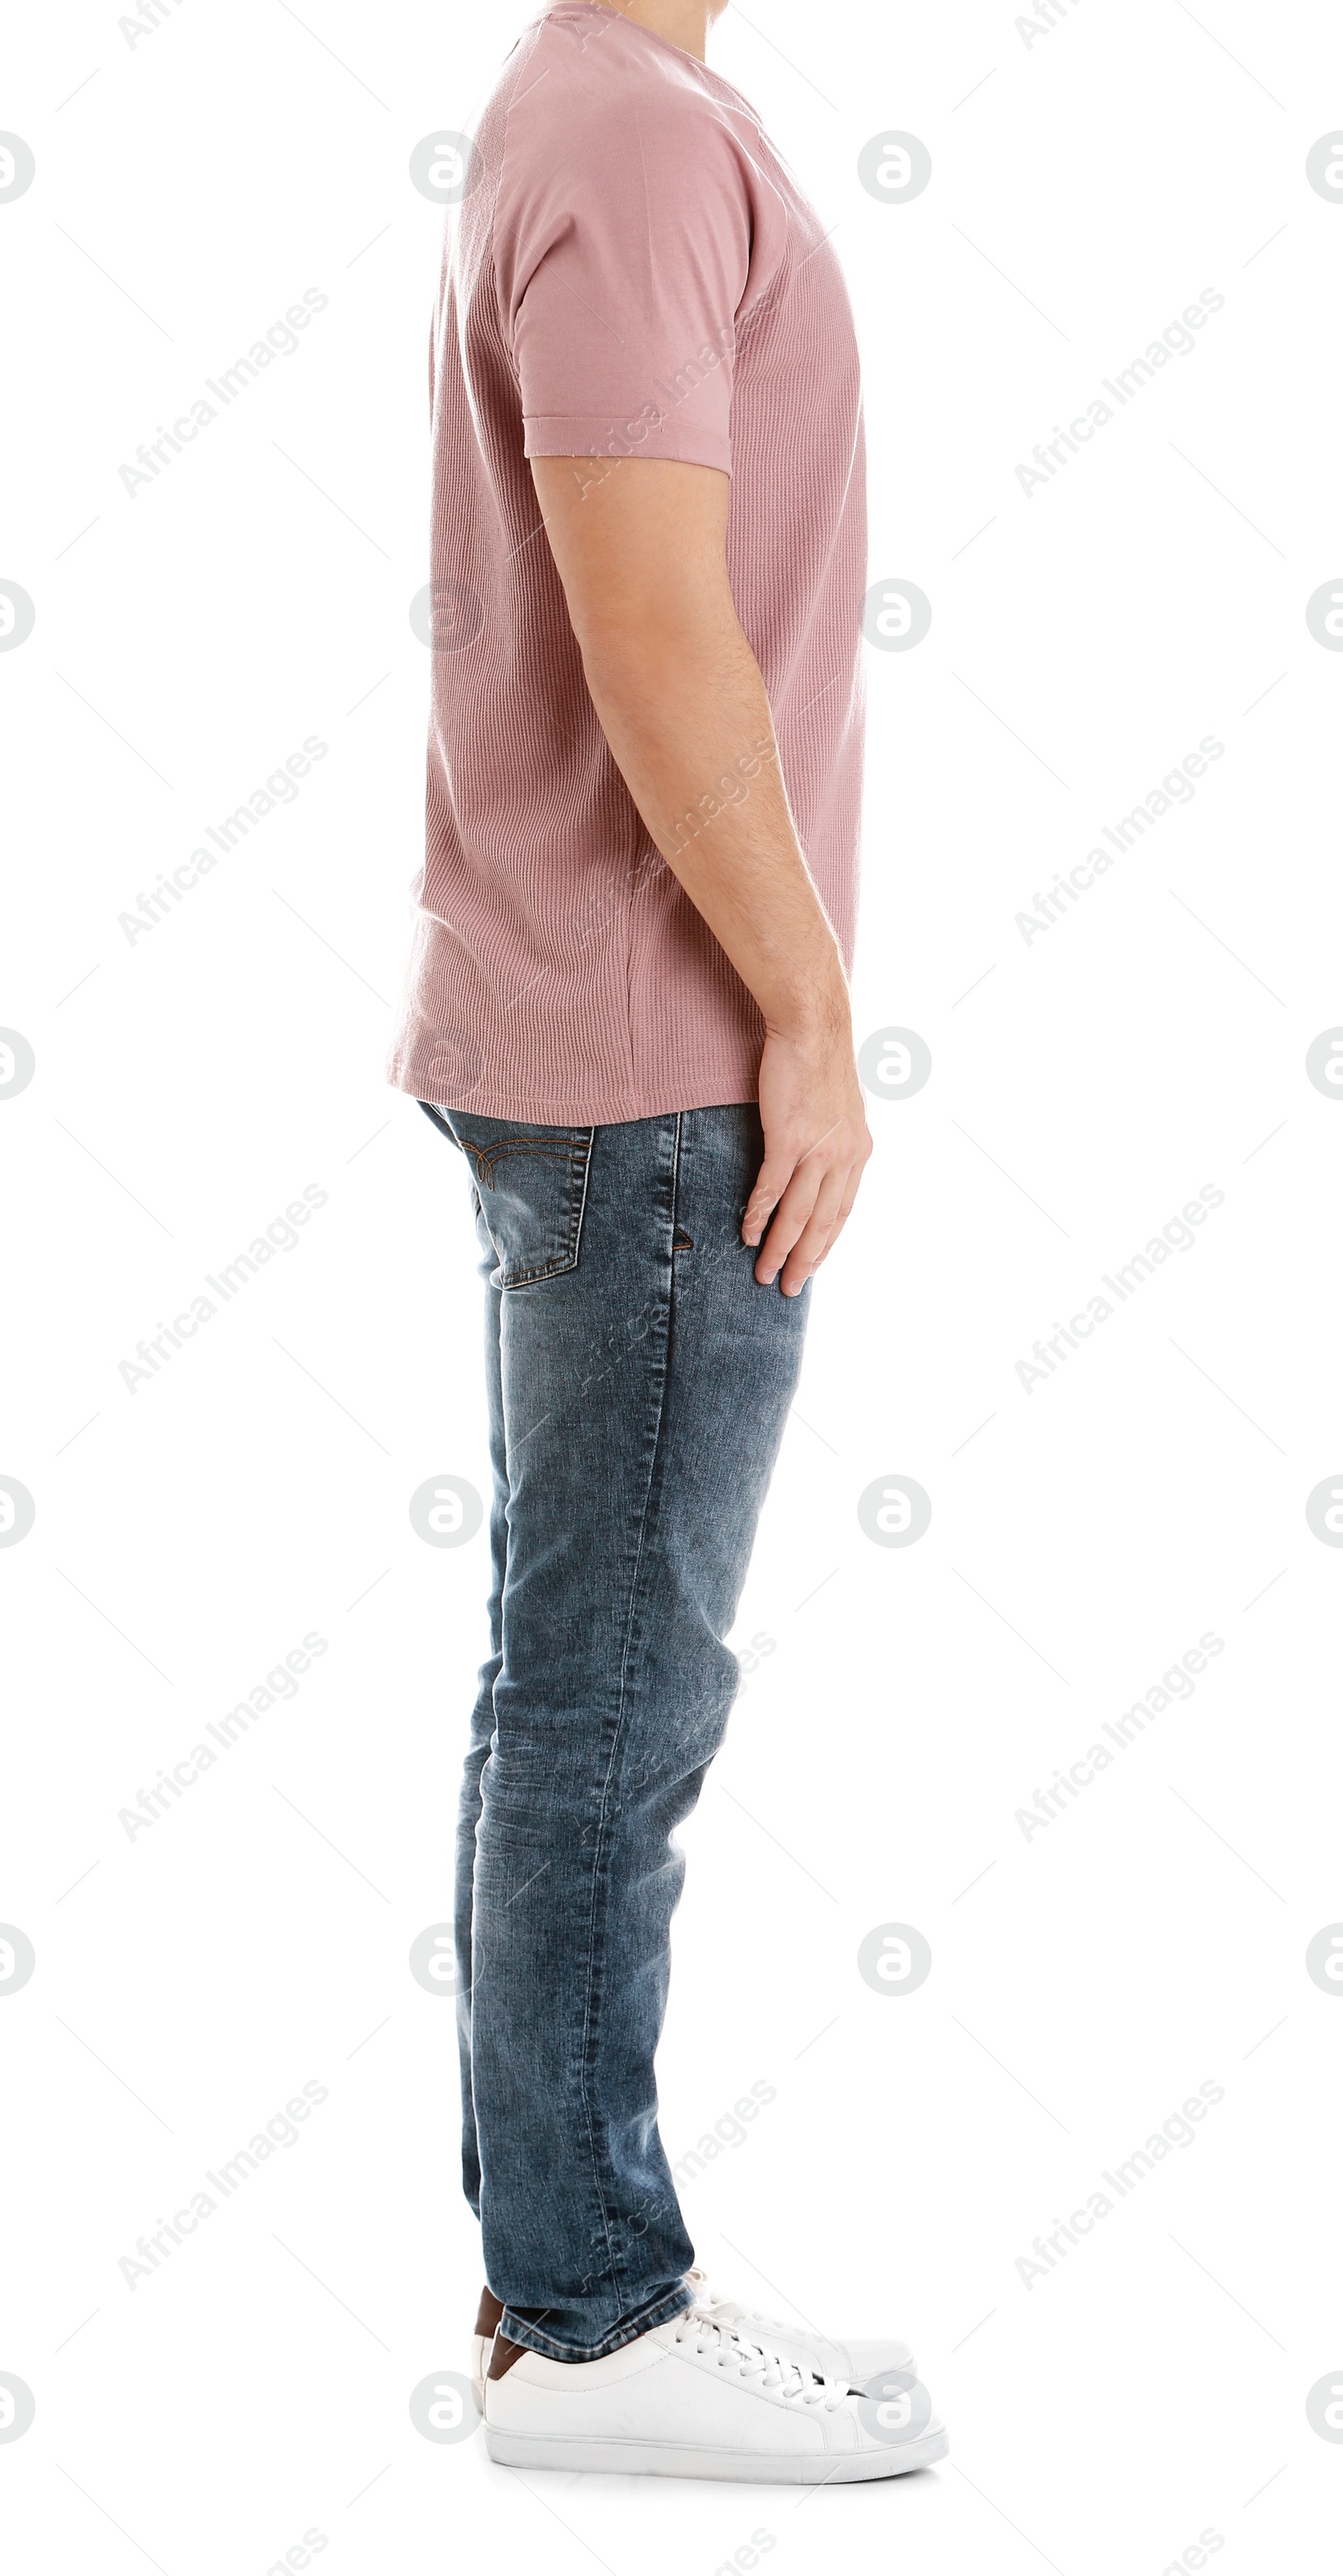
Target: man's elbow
<point>624,662</point>
<point>641,658</point>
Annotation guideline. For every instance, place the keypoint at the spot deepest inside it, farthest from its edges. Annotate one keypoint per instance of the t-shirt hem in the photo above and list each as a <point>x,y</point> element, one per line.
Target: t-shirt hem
<point>595,435</point>
<point>592,1109</point>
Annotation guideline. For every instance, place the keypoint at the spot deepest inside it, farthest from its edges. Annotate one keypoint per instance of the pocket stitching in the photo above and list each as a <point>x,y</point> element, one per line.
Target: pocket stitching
<point>573,1147</point>
<point>486,1157</point>
<point>578,1155</point>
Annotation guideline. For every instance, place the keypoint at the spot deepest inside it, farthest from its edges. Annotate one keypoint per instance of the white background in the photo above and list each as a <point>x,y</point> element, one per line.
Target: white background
<point>1086,186</point>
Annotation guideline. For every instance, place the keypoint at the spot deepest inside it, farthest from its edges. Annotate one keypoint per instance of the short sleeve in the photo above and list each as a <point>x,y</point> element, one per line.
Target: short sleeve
<point>623,255</point>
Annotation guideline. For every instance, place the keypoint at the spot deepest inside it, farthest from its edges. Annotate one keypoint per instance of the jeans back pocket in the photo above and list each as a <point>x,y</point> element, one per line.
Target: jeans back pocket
<point>532,1184</point>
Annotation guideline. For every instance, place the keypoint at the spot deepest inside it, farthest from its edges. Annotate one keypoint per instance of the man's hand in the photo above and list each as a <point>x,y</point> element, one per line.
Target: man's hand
<point>816,1148</point>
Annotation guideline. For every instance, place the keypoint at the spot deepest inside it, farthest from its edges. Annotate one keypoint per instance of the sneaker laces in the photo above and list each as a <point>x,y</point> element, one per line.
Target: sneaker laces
<point>731,2312</point>
<point>755,2364</point>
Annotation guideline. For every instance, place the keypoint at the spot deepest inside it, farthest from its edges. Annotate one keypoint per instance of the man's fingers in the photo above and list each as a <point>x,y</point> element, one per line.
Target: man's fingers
<point>790,1216</point>
<point>842,1216</point>
<point>809,1191</point>
<point>776,1172</point>
<point>845,1209</point>
<point>818,1233</point>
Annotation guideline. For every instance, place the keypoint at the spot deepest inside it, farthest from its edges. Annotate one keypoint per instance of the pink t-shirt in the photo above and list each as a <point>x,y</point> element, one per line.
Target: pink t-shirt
<point>633,271</point>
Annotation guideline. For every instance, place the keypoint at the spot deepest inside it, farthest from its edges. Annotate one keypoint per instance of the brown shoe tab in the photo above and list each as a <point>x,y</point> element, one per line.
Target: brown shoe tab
<point>503,2356</point>
<point>488,2313</point>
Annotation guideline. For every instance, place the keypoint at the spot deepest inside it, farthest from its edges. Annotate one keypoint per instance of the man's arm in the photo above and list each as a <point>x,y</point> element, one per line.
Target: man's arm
<point>640,548</point>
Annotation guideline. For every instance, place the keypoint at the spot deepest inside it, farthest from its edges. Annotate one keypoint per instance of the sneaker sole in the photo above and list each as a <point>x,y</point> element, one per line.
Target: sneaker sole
<point>670,2460</point>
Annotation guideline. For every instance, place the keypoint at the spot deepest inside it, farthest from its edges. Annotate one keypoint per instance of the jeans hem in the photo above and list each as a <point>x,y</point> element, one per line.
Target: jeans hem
<point>658,2312</point>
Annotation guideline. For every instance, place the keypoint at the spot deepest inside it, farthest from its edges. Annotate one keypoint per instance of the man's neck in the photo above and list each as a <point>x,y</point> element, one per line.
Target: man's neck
<point>683,22</point>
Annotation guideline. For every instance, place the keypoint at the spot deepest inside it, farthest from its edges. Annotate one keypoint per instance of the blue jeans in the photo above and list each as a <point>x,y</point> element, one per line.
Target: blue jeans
<point>639,1378</point>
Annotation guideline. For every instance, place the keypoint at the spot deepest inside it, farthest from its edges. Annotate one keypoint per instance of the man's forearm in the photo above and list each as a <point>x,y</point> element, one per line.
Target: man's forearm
<point>688,721</point>
<point>680,698</point>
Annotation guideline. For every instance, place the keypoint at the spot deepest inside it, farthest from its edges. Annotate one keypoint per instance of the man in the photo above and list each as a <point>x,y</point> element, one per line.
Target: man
<point>628,1008</point>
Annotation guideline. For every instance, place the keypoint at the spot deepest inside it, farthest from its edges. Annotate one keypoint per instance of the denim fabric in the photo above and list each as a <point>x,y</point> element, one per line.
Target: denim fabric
<point>639,1378</point>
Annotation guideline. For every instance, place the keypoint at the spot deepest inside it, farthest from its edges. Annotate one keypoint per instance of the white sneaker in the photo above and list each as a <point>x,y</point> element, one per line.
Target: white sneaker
<point>857,2361</point>
<point>693,2399</point>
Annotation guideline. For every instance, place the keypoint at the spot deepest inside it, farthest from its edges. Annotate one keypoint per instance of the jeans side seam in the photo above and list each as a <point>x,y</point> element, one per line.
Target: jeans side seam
<point>617,1740</point>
